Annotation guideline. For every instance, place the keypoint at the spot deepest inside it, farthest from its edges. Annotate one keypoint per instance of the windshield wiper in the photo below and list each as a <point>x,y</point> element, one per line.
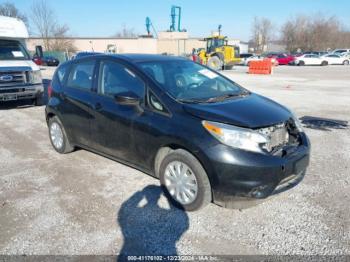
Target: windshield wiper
<point>191,101</point>
<point>226,96</point>
<point>213,99</point>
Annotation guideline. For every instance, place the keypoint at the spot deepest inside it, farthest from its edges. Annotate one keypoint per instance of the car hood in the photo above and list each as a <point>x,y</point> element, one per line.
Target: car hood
<point>18,63</point>
<point>252,111</point>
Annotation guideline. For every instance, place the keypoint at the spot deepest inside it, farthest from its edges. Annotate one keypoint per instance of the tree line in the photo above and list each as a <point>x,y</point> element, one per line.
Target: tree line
<point>43,23</point>
<point>301,33</point>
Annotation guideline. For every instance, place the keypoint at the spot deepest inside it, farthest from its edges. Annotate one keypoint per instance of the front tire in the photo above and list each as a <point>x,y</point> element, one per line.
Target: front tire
<point>185,181</point>
<point>58,136</point>
<point>324,63</point>
<point>346,62</point>
<point>301,63</point>
<point>215,63</point>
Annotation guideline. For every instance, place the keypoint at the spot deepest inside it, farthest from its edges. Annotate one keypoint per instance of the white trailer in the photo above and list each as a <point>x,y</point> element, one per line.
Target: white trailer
<point>20,77</point>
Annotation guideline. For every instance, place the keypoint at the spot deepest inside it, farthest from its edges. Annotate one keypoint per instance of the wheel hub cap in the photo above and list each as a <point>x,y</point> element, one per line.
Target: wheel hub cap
<point>56,135</point>
<point>181,182</point>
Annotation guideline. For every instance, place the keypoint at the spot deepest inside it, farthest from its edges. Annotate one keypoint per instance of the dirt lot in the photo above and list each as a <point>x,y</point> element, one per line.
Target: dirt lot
<point>82,203</point>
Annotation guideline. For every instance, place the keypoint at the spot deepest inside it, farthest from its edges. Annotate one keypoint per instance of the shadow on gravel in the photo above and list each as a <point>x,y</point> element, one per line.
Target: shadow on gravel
<point>149,229</point>
<point>325,124</point>
<point>22,104</point>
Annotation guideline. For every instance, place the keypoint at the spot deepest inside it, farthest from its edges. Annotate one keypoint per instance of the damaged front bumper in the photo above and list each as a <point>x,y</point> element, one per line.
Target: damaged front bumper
<point>245,178</point>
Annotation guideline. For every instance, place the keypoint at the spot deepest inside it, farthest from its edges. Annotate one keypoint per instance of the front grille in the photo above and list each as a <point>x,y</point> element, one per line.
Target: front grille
<point>278,136</point>
<point>12,90</point>
<point>8,79</point>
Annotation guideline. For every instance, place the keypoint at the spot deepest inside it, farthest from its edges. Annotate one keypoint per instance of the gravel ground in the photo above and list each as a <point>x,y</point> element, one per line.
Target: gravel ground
<point>82,203</point>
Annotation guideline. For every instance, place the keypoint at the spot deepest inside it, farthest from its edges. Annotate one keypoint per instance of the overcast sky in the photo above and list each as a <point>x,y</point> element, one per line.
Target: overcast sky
<point>106,17</point>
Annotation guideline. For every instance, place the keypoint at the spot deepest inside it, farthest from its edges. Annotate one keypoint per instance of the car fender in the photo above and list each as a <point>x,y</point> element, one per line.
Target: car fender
<point>169,144</point>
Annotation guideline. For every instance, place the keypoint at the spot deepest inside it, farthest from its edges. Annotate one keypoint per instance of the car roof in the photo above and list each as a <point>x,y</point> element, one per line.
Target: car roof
<point>87,52</point>
<point>137,58</point>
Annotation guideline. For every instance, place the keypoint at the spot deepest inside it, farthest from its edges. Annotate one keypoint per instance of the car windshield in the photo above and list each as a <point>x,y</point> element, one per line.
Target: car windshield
<point>187,81</point>
<point>12,50</point>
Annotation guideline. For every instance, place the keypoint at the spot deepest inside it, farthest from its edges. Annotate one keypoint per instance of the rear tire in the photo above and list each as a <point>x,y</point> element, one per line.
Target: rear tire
<point>58,136</point>
<point>324,63</point>
<point>301,63</point>
<point>215,63</point>
<point>203,195</point>
<point>346,62</point>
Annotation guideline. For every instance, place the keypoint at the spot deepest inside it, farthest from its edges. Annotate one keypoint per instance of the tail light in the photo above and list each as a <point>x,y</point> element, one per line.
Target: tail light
<point>49,90</point>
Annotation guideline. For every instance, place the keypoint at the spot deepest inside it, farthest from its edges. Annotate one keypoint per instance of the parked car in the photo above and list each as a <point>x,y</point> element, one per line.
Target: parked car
<point>322,53</point>
<point>50,61</point>
<point>253,58</point>
<point>297,54</point>
<point>319,53</point>
<point>37,60</point>
<point>259,58</point>
<point>340,51</point>
<point>346,55</point>
<point>282,59</point>
<point>244,57</point>
<point>310,60</point>
<point>206,137</point>
<point>334,59</point>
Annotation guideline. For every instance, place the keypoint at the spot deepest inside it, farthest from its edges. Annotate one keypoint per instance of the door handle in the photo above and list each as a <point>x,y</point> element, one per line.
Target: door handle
<point>63,95</point>
<point>98,107</point>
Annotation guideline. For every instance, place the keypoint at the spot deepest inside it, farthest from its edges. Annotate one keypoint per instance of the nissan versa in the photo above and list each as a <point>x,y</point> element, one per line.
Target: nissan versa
<point>205,137</point>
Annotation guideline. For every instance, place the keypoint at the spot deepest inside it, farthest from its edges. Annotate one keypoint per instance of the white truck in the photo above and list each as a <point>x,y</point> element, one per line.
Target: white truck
<point>20,77</point>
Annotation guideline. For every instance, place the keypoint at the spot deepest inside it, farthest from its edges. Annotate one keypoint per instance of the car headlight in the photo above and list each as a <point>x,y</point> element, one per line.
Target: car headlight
<point>35,77</point>
<point>237,137</point>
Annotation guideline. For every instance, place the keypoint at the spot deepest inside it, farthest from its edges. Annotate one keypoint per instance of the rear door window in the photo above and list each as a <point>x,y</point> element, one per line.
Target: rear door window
<point>81,75</point>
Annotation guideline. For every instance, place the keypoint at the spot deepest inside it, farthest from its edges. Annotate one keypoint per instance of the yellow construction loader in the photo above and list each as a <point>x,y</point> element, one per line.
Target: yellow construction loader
<point>218,54</point>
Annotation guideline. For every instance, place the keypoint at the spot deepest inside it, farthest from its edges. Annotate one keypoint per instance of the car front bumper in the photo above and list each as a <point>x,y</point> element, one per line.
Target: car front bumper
<point>244,179</point>
<point>21,92</point>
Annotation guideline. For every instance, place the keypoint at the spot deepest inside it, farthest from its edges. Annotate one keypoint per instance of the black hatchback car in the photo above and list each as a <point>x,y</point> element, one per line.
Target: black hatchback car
<point>205,137</point>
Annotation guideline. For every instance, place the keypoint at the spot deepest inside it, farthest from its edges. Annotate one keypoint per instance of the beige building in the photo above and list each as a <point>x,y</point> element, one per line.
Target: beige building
<point>175,43</point>
<point>99,44</point>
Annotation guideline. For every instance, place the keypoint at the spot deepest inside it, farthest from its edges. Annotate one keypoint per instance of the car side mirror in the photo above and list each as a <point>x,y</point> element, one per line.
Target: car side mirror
<point>127,98</point>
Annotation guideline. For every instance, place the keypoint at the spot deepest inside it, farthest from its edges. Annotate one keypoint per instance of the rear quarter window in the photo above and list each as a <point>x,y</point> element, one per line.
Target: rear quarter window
<point>61,73</point>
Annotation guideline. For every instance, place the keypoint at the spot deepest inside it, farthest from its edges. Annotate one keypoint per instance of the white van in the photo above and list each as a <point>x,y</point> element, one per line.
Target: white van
<point>20,77</point>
